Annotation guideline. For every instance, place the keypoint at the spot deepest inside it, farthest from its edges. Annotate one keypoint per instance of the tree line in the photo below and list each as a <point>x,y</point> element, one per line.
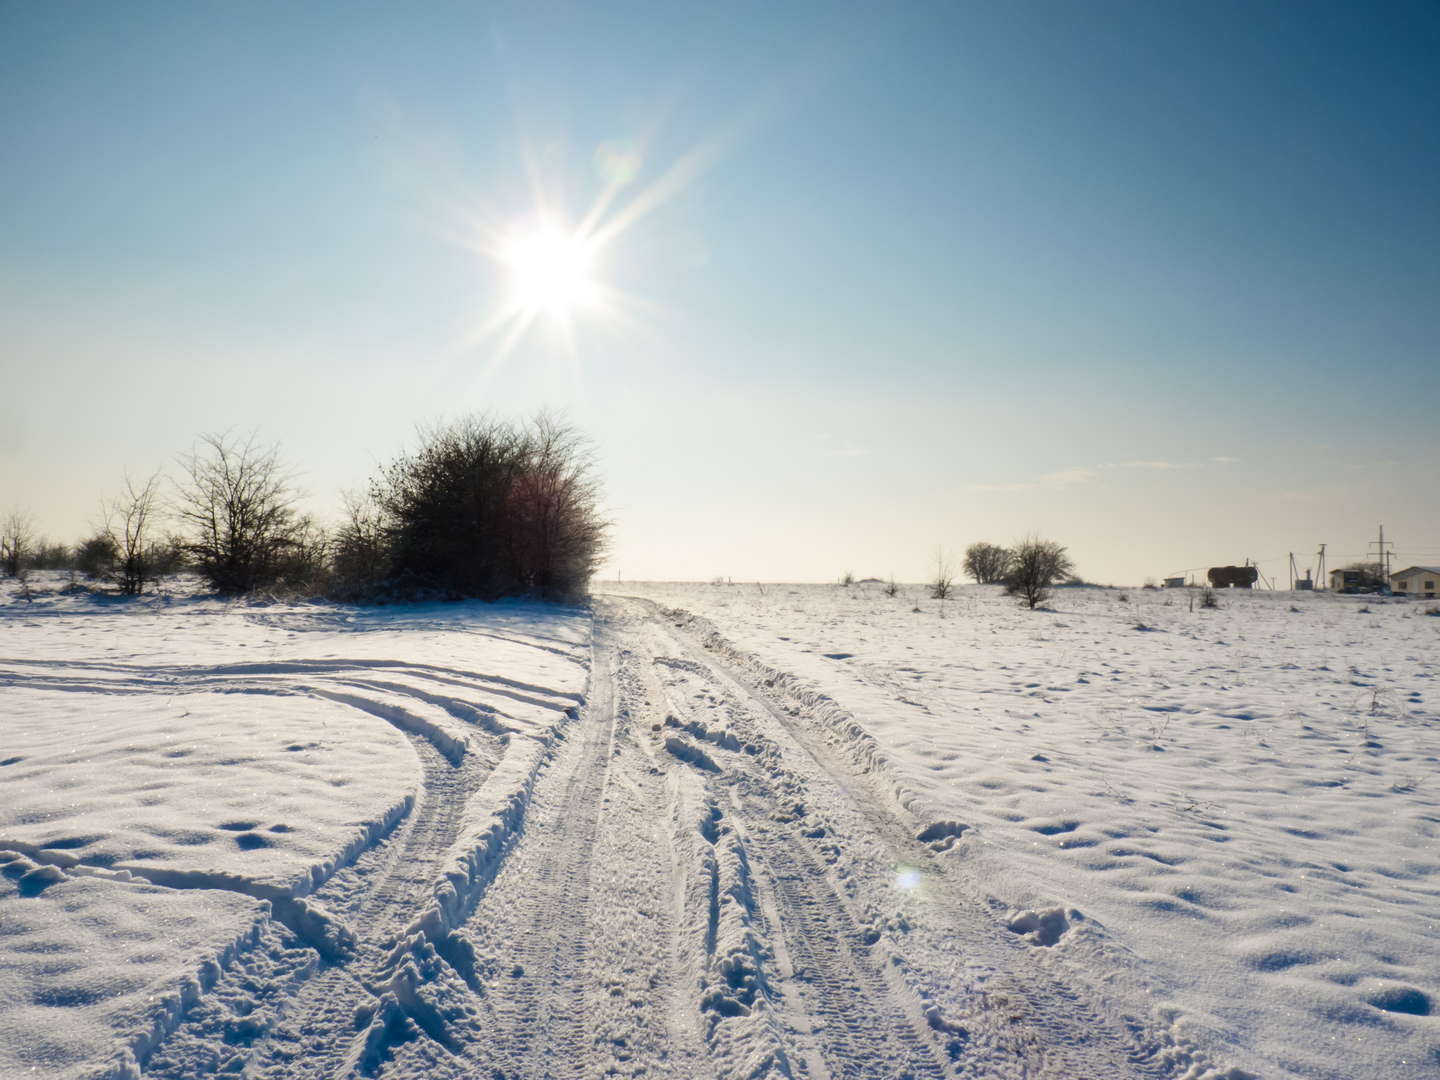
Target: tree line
<point>481,508</point>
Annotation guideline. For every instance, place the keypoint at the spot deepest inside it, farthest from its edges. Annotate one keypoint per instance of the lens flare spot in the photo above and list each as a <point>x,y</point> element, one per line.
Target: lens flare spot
<point>617,162</point>
<point>907,879</point>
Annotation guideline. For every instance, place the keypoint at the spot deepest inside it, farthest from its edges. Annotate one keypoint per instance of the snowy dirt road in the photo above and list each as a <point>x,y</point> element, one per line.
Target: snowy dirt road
<point>678,878</point>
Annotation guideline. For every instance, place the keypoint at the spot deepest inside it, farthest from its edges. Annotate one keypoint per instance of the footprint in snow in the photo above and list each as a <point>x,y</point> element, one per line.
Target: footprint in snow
<point>1043,928</point>
<point>941,835</point>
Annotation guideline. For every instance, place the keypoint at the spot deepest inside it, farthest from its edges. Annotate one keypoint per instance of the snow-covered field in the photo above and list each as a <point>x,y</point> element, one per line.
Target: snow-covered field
<point>1243,804</point>
<point>719,831</point>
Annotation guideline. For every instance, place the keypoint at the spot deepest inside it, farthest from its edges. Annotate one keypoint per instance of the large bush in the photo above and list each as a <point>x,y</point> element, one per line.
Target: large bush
<point>484,508</point>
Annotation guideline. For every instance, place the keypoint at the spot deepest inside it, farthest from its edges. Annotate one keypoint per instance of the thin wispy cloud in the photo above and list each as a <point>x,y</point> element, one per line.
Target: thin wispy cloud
<point>1078,474</point>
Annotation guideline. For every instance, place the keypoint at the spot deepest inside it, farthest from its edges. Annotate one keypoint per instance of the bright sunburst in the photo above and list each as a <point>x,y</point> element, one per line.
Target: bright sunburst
<point>550,270</point>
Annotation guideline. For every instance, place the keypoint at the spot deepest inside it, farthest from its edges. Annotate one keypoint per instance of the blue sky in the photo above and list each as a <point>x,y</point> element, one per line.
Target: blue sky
<point>1158,280</point>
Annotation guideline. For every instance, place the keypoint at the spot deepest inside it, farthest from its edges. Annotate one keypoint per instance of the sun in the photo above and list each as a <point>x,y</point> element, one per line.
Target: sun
<point>550,270</point>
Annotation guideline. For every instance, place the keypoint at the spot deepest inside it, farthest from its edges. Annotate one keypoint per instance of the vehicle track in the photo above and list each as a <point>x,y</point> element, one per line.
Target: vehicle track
<point>531,925</point>
<point>307,1025</point>
<point>1013,1018</point>
<point>699,887</point>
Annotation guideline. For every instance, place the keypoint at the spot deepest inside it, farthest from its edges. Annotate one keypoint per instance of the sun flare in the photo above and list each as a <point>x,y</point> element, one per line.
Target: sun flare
<point>550,270</point>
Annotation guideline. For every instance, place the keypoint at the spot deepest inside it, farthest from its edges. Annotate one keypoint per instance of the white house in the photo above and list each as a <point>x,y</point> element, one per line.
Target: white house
<point>1416,580</point>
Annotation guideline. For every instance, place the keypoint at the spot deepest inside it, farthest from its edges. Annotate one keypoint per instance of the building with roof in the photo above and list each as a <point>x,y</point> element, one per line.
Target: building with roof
<point>1416,580</point>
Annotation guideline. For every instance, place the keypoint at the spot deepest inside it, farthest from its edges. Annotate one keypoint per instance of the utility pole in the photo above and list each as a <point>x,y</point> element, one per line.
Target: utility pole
<point>1382,553</point>
<point>1320,573</point>
<point>1294,574</point>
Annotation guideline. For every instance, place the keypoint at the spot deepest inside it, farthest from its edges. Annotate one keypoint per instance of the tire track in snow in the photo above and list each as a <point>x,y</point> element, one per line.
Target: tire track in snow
<point>1014,1017</point>
<point>840,1016</point>
<point>307,1028</point>
<point>531,923</point>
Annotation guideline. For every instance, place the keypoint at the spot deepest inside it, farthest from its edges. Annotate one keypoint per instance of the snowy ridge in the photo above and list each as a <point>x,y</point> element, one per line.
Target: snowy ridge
<point>171,1006</point>
<point>405,719</point>
<point>495,814</point>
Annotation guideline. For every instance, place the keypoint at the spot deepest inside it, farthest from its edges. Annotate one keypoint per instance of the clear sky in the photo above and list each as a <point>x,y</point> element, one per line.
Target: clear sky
<point>1160,281</point>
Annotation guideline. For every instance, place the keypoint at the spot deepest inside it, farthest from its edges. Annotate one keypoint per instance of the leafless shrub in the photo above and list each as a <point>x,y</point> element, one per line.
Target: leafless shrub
<point>944,583</point>
<point>1208,599</point>
<point>360,553</point>
<point>987,563</point>
<point>237,505</point>
<point>129,522</point>
<point>1036,566</point>
<point>847,579</point>
<point>890,587</point>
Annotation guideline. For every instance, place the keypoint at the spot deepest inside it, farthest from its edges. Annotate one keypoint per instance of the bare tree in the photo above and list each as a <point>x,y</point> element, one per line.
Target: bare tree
<point>987,563</point>
<point>1035,566</point>
<point>237,507</point>
<point>17,537</point>
<point>944,583</point>
<point>128,524</point>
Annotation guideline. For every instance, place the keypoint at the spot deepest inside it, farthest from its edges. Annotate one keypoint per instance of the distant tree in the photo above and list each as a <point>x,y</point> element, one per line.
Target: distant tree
<point>17,535</point>
<point>987,563</point>
<point>944,582</point>
<point>1036,565</point>
<point>237,506</point>
<point>49,555</point>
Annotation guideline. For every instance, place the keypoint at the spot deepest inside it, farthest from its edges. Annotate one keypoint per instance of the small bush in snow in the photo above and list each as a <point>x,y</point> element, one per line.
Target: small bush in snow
<point>944,583</point>
<point>1035,567</point>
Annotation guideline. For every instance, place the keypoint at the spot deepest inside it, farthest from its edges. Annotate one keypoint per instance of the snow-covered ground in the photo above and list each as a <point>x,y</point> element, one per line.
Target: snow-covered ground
<point>1243,804</point>
<point>178,772</point>
<point>719,831</point>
